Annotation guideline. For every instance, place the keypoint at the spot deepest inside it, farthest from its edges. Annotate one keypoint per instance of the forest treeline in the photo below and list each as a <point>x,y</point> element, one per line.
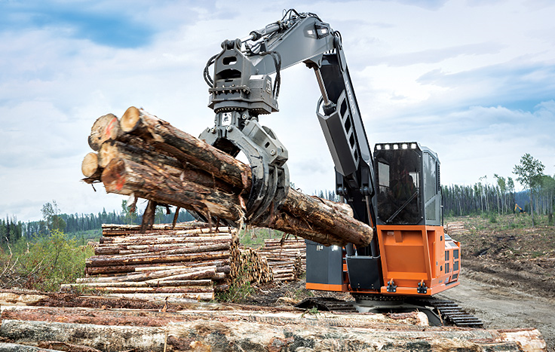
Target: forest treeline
<point>500,197</point>
<point>77,224</point>
<point>488,196</point>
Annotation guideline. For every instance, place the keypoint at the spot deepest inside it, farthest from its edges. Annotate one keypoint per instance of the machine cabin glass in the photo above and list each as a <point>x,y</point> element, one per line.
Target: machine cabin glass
<point>408,185</point>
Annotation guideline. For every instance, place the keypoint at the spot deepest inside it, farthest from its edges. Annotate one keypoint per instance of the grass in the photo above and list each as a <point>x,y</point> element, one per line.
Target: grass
<point>494,221</point>
<point>254,237</point>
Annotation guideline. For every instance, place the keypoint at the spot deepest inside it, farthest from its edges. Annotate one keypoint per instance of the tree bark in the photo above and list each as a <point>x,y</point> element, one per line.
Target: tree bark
<point>188,148</point>
<point>113,149</point>
<point>104,338</point>
<point>221,334</point>
<point>145,259</point>
<point>127,177</point>
<point>147,248</point>
<point>327,219</point>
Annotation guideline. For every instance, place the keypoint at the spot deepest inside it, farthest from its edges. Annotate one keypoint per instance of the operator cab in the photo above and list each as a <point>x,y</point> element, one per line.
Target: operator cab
<point>409,191</point>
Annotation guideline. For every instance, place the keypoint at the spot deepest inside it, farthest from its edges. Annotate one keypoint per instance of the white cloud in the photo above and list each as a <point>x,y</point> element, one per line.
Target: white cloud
<point>471,80</point>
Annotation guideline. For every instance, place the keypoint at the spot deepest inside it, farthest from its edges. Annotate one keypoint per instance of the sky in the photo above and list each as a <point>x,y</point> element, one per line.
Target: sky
<point>473,80</point>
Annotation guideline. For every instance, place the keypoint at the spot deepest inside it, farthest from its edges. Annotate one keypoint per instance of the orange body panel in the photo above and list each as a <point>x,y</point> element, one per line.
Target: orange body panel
<point>410,254</point>
<point>417,254</point>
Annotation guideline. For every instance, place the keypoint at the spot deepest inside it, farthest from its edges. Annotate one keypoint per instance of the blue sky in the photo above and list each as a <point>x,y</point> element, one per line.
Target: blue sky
<point>472,80</point>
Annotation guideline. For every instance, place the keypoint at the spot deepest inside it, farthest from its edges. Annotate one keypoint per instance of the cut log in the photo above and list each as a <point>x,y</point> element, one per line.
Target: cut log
<point>15,347</point>
<point>301,227</point>
<point>327,219</point>
<point>194,248</point>
<point>130,260</point>
<point>187,274</point>
<point>127,177</point>
<point>186,171</point>
<point>199,274</point>
<point>134,269</point>
<point>104,128</point>
<point>104,338</point>
<point>188,148</point>
<point>186,227</point>
<point>198,249</point>
<point>236,173</point>
<point>341,207</point>
<point>93,270</point>
<point>69,287</point>
<point>153,289</point>
<point>64,346</point>
<point>183,283</point>
<point>131,248</point>
<point>90,167</point>
<point>262,335</point>
<point>177,266</point>
<point>216,187</point>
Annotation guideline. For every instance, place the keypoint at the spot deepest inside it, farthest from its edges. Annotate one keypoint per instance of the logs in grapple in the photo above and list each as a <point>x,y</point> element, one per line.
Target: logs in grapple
<point>144,156</point>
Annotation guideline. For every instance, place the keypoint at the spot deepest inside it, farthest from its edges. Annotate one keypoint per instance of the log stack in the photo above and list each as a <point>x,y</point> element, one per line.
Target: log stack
<point>192,261</point>
<point>286,258</point>
<point>109,230</point>
<point>247,265</point>
<point>455,229</point>
<point>143,156</point>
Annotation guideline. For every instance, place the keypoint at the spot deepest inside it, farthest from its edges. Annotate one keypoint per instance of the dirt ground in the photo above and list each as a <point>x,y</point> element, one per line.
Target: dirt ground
<point>508,274</point>
<point>503,306</point>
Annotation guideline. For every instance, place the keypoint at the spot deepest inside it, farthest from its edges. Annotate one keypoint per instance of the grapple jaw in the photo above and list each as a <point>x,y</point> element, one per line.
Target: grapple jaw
<point>237,131</point>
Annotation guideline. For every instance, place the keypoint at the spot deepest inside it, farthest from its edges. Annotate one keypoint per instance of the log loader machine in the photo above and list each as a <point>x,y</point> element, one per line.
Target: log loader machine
<point>396,190</point>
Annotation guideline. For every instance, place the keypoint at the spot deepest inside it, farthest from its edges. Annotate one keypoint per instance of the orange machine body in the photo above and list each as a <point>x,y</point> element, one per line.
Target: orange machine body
<point>411,255</point>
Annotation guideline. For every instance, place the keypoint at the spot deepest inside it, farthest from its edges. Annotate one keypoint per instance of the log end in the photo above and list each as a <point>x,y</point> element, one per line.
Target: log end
<point>130,119</point>
<point>89,166</point>
<point>104,128</point>
<point>106,153</point>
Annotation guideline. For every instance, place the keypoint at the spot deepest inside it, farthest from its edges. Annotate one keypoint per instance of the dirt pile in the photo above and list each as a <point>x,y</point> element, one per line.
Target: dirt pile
<point>522,258</point>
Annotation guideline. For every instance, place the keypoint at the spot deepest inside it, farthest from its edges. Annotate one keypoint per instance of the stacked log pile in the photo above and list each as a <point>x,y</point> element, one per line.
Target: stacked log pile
<point>286,258</point>
<point>247,265</point>
<point>143,156</point>
<point>191,263</point>
<point>109,230</point>
<point>455,228</point>
<point>242,328</point>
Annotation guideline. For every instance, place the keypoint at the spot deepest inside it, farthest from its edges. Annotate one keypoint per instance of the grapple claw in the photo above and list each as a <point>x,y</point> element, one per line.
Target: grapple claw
<point>234,132</point>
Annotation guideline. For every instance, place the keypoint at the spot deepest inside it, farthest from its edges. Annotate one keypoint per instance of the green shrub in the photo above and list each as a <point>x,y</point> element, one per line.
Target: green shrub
<point>45,263</point>
<point>236,293</point>
<point>493,218</point>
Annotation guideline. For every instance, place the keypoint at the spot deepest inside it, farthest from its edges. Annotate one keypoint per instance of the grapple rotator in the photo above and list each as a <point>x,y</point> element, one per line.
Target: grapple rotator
<point>238,96</point>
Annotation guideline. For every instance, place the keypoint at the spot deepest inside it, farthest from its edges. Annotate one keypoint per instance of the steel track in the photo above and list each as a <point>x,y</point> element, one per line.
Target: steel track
<point>448,311</point>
